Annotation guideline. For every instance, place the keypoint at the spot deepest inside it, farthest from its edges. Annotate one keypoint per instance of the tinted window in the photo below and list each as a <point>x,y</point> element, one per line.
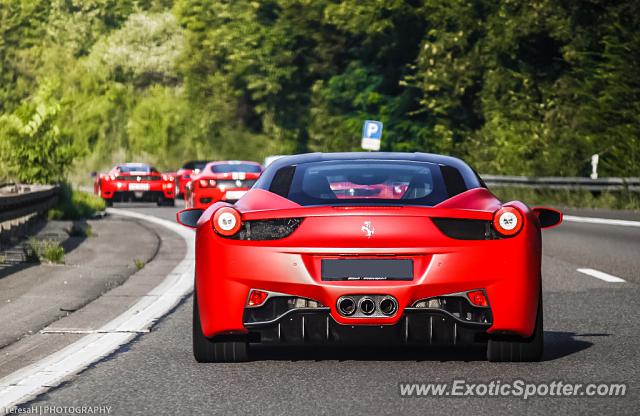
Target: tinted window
<point>195,164</point>
<point>136,168</point>
<point>367,182</point>
<point>235,167</point>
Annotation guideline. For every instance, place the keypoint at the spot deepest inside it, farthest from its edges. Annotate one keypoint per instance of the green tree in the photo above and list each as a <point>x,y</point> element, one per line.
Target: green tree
<point>32,149</point>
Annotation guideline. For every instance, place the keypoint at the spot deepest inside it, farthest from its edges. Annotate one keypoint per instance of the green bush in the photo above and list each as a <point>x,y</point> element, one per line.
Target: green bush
<point>75,205</point>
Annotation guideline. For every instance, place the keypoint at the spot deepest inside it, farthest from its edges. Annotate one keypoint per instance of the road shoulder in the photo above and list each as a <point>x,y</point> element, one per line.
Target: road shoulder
<point>113,286</point>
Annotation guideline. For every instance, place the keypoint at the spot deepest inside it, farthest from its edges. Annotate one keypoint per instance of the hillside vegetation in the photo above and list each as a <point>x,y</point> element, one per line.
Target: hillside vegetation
<point>529,87</point>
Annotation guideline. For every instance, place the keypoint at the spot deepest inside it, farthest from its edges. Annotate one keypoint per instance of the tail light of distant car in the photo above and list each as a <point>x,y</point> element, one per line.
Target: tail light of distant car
<point>167,177</point>
<point>207,183</point>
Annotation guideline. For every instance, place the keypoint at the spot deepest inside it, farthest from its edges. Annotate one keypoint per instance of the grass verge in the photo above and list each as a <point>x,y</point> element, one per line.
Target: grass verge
<point>49,251</point>
<point>570,198</point>
<point>74,205</point>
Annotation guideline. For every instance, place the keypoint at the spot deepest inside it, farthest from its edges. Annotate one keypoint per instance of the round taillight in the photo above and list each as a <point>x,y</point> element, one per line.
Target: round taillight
<point>227,221</point>
<point>508,221</point>
<point>212,183</point>
<point>204,183</point>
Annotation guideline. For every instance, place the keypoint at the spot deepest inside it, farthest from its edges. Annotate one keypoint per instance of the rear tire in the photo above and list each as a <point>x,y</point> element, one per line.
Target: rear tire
<point>108,202</point>
<point>164,202</point>
<point>519,349</point>
<point>208,351</point>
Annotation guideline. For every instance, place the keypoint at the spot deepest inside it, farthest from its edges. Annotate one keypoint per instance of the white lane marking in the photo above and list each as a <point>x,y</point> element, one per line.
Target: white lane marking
<point>26,383</point>
<point>602,275</point>
<point>605,221</point>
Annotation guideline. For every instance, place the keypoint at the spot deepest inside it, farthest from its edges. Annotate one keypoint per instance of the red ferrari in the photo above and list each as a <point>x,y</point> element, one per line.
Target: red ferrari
<point>221,181</point>
<point>183,175</point>
<point>368,248</point>
<point>135,182</point>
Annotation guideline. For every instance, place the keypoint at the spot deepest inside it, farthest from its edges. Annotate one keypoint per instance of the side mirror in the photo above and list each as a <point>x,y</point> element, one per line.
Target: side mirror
<point>189,217</point>
<point>548,217</point>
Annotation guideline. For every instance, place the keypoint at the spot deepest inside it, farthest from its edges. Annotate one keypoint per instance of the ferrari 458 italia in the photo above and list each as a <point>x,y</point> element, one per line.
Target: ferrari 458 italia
<point>368,248</point>
<point>221,181</point>
<point>135,182</point>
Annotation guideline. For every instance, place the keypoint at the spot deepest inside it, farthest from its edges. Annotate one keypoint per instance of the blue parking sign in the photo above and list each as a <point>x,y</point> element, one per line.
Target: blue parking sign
<point>371,135</point>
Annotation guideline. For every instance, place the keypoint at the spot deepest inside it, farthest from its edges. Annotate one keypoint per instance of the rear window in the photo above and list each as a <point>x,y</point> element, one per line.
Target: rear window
<point>367,182</point>
<point>136,168</point>
<point>235,167</point>
<point>195,164</point>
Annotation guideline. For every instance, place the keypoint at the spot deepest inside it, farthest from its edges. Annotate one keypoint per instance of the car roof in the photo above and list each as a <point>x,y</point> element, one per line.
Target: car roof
<point>470,177</point>
<point>232,162</point>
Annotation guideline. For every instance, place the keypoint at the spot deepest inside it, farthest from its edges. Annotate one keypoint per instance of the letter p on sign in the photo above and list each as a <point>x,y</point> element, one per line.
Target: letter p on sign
<point>371,135</point>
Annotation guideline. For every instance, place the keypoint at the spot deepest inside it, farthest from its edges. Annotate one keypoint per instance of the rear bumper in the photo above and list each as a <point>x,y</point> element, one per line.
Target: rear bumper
<point>157,190</point>
<point>507,270</point>
<point>142,196</point>
<point>203,197</point>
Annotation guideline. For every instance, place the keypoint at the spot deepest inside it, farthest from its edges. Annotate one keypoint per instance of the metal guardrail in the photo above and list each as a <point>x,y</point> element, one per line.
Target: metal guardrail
<point>17,209</point>
<point>564,183</point>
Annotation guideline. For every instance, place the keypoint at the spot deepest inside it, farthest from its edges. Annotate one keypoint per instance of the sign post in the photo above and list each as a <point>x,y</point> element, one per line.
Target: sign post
<point>594,166</point>
<point>371,135</point>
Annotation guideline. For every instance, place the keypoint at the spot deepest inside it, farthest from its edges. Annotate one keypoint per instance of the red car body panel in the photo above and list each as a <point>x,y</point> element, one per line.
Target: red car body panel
<point>183,176</point>
<point>507,269</point>
<point>229,186</point>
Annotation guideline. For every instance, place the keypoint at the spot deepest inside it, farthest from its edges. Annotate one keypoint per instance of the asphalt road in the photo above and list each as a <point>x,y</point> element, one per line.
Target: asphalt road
<point>591,336</point>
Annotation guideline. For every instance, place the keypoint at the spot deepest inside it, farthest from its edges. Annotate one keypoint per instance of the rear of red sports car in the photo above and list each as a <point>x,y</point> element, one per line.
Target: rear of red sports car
<point>221,181</point>
<point>363,248</point>
<point>131,182</point>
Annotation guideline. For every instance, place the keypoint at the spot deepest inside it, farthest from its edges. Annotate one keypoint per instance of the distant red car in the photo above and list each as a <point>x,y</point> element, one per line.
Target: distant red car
<point>183,175</point>
<point>366,249</point>
<point>221,181</point>
<point>130,182</point>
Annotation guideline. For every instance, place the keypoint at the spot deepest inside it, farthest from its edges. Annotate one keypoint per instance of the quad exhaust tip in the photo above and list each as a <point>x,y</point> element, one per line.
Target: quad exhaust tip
<point>367,306</point>
<point>375,305</point>
<point>388,306</point>
<point>346,306</point>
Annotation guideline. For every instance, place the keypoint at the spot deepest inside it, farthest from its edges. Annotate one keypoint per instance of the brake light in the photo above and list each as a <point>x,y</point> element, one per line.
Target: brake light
<point>508,221</point>
<point>207,183</point>
<point>227,221</point>
<point>257,297</point>
<point>478,298</point>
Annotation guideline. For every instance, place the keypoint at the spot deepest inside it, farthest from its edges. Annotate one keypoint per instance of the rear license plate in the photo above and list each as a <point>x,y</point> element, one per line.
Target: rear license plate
<point>235,194</point>
<point>138,186</point>
<point>367,269</point>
